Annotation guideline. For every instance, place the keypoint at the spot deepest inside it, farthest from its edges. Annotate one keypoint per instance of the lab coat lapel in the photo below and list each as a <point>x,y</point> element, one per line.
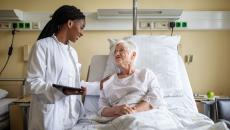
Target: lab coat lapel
<point>73,101</point>
<point>57,65</point>
<point>77,68</point>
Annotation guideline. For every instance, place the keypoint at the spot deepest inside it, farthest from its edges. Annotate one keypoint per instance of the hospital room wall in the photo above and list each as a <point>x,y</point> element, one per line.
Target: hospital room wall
<point>209,70</point>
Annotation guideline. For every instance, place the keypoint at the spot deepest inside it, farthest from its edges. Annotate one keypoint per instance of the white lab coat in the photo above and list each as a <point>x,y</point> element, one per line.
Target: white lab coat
<point>52,62</point>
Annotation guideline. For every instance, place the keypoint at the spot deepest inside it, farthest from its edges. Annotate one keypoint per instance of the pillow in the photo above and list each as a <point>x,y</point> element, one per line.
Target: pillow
<point>158,53</point>
<point>3,93</point>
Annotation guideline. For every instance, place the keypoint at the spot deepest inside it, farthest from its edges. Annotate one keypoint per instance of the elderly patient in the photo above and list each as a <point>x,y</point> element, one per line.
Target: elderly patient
<point>129,90</point>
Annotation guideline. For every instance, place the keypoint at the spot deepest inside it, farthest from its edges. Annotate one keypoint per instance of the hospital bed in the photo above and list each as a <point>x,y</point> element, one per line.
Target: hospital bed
<point>9,92</point>
<point>4,112</point>
<point>184,102</point>
<point>10,95</point>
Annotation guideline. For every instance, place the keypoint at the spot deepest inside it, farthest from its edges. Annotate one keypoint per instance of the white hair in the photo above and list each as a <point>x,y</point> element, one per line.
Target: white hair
<point>131,48</point>
<point>129,44</point>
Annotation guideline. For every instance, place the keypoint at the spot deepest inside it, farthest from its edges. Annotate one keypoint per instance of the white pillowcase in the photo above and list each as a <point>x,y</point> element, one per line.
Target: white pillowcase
<point>158,53</point>
<point>3,93</point>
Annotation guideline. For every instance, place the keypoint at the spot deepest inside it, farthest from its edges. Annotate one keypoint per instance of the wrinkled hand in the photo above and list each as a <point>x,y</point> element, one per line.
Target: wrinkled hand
<point>124,110</point>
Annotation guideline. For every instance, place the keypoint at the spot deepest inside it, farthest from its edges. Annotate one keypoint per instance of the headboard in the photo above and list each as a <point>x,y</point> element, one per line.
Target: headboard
<point>97,67</point>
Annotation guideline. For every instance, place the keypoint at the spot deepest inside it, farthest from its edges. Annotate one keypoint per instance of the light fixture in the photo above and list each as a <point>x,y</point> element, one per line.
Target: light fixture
<point>11,15</point>
<point>157,14</point>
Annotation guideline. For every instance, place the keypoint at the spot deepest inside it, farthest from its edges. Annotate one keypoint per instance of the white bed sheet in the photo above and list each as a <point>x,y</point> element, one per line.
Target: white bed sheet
<point>183,109</point>
<point>156,119</point>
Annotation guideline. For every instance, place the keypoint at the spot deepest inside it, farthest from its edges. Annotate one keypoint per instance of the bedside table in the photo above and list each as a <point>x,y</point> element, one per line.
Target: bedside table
<point>19,113</point>
<point>207,107</point>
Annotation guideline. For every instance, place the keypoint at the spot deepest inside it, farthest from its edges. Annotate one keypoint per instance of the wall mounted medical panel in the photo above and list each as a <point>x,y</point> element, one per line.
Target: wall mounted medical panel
<point>196,20</point>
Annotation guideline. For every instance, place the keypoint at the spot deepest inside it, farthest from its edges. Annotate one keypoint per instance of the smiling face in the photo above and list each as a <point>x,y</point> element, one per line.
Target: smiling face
<point>123,57</point>
<point>76,28</point>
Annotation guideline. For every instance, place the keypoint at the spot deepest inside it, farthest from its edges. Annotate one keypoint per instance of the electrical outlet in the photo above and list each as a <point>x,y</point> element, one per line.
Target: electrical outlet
<point>4,25</point>
<point>21,25</point>
<point>184,24</point>
<point>161,25</point>
<point>178,24</point>
<point>27,25</point>
<point>188,58</point>
<point>14,25</point>
<point>145,24</point>
<point>36,25</point>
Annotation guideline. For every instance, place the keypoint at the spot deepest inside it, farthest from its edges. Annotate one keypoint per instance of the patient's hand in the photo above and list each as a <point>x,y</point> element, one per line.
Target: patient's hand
<point>124,109</point>
<point>116,111</point>
<point>143,106</point>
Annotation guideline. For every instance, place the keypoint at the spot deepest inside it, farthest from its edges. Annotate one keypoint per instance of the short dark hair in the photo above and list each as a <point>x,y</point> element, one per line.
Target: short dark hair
<point>59,17</point>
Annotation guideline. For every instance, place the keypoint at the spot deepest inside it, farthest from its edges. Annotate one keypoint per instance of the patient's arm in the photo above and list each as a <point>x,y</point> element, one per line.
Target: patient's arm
<point>116,111</point>
<point>103,80</point>
<point>105,108</point>
<point>154,95</point>
<point>142,106</point>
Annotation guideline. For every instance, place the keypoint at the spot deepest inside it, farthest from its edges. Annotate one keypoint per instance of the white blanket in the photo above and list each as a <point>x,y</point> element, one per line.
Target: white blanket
<point>156,119</point>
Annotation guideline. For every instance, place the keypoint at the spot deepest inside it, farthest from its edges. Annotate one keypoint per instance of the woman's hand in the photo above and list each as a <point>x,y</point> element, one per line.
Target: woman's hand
<point>74,91</point>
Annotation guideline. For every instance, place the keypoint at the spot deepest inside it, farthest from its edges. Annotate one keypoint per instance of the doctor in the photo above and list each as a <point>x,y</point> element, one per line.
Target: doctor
<point>54,61</point>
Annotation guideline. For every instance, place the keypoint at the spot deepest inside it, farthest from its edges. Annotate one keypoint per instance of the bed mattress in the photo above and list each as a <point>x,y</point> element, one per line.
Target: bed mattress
<point>4,112</point>
<point>4,105</point>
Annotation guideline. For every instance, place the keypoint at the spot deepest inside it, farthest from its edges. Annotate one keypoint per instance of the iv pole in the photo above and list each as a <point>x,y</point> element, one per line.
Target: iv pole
<point>134,17</point>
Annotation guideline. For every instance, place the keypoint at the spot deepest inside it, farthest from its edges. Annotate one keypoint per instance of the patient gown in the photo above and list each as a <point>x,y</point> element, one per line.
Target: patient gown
<point>142,85</point>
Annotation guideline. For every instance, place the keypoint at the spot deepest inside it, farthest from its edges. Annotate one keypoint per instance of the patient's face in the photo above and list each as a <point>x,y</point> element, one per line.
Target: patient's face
<point>122,55</point>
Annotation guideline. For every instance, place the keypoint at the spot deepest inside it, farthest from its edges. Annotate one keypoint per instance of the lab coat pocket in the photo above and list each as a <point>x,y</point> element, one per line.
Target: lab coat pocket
<point>48,116</point>
<point>76,107</point>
